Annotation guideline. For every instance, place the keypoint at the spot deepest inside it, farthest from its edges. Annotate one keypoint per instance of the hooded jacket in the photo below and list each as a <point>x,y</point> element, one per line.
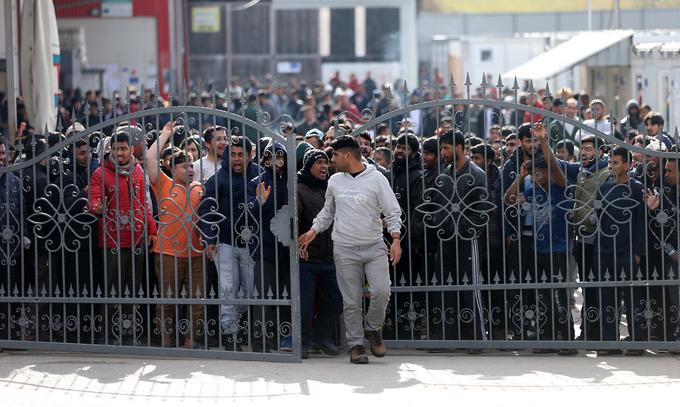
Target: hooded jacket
<point>277,198</point>
<point>585,191</point>
<point>127,212</point>
<point>222,207</point>
<point>404,176</point>
<point>632,122</point>
<point>353,206</point>
<point>311,198</point>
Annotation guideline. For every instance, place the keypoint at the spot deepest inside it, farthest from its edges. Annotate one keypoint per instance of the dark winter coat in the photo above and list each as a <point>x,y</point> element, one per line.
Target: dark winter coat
<point>311,197</point>
<point>223,206</point>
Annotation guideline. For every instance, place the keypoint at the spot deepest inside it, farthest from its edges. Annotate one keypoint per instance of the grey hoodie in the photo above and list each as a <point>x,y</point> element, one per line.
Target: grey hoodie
<point>354,204</point>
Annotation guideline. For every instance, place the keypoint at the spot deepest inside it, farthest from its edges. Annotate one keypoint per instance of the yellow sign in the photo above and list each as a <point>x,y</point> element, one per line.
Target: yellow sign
<point>205,20</point>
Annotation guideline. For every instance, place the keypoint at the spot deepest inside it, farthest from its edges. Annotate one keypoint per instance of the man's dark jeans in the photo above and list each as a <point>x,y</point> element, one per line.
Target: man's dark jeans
<point>318,280</point>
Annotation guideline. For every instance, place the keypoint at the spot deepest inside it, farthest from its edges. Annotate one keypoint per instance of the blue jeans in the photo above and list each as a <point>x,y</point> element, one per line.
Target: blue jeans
<point>236,277</point>
<point>318,278</point>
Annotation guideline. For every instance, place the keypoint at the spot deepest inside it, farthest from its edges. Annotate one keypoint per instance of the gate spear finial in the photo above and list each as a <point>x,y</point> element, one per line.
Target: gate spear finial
<point>499,86</point>
<point>452,85</point>
<point>467,84</point>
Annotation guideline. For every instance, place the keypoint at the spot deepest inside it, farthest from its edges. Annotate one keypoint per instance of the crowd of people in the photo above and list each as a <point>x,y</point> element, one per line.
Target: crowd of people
<point>486,196</point>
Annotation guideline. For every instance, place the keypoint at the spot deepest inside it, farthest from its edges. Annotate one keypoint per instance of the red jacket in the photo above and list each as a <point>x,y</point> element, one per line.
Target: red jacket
<point>125,214</point>
<point>530,117</point>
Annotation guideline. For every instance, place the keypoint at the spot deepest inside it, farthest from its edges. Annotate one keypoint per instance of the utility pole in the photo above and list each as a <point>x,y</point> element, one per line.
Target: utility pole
<point>590,15</point>
<point>617,11</point>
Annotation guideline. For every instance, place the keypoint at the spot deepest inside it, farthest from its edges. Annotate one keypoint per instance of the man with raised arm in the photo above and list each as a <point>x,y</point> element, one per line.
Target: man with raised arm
<point>179,263</point>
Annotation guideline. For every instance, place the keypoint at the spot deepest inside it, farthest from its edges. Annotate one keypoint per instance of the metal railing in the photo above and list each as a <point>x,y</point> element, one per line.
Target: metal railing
<point>108,254</point>
<point>92,258</point>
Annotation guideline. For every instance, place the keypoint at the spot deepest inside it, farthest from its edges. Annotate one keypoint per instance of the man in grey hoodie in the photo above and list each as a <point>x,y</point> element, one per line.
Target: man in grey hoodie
<point>356,197</point>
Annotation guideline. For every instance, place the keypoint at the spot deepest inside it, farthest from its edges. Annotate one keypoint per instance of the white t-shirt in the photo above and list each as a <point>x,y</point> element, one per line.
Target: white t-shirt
<point>601,125</point>
<point>205,168</point>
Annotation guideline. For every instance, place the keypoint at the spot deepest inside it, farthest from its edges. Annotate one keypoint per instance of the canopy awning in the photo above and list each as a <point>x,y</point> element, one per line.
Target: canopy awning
<point>594,48</point>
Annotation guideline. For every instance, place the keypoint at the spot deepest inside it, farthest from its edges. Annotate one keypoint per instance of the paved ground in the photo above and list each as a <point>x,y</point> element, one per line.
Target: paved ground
<point>401,378</point>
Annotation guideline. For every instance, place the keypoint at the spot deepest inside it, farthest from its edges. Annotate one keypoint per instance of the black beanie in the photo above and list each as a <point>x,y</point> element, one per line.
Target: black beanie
<point>311,156</point>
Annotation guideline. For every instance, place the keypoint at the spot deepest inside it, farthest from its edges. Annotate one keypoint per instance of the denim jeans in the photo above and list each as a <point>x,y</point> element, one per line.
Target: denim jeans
<point>236,274</point>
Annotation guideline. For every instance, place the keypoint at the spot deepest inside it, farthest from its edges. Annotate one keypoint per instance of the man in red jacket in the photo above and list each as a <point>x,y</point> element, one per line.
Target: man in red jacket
<point>126,228</point>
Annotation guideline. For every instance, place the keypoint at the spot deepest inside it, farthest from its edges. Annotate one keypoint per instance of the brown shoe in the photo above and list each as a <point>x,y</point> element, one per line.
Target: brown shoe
<point>377,345</point>
<point>358,355</point>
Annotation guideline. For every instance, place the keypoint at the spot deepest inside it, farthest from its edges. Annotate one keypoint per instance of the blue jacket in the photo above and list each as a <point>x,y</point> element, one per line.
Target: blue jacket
<point>514,219</point>
<point>222,215</point>
<point>548,218</point>
<point>666,140</point>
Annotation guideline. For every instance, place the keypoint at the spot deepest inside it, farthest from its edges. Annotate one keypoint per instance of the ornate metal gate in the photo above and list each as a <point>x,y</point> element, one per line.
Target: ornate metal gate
<point>588,264</point>
<point>103,255</point>
<point>574,262</point>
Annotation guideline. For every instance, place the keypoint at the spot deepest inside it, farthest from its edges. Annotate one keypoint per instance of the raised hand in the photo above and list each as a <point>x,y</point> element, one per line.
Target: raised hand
<point>524,169</point>
<point>263,193</point>
<point>168,127</point>
<point>652,199</point>
<point>539,131</point>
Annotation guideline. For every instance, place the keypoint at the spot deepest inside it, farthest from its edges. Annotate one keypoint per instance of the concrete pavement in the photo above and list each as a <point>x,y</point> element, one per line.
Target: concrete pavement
<point>401,378</point>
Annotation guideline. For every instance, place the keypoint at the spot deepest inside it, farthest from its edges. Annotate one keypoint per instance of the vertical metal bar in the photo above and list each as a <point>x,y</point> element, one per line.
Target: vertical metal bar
<point>294,263</point>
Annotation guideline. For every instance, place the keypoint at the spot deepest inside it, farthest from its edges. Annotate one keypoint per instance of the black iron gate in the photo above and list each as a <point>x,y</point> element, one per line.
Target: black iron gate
<point>107,255</point>
<point>579,262</point>
<point>568,258</point>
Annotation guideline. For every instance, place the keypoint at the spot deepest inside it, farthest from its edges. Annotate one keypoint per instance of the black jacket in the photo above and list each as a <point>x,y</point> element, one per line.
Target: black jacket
<point>482,127</point>
<point>278,182</point>
<point>12,218</point>
<point>82,228</point>
<point>663,227</point>
<point>311,198</point>
<point>460,207</point>
<point>621,217</point>
<point>495,229</point>
<point>424,239</point>
<point>404,177</point>
<point>42,201</point>
<point>223,206</point>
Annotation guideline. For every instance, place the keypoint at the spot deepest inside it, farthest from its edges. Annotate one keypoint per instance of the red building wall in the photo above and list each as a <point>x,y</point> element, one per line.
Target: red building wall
<point>157,9</point>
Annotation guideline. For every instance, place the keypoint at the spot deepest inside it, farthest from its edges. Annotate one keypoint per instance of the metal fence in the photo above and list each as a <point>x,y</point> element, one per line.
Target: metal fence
<point>106,253</point>
<point>101,255</point>
<point>573,258</point>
